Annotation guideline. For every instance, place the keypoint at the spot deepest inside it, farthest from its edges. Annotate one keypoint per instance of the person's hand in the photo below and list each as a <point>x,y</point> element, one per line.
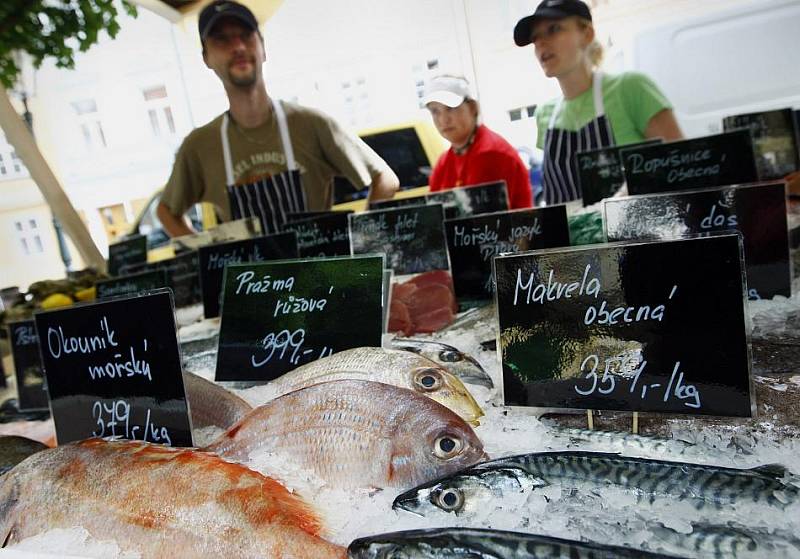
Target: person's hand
<point>793,183</point>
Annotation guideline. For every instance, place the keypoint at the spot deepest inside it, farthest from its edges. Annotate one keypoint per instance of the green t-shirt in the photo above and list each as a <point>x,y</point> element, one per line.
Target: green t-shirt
<point>631,99</point>
<point>322,149</point>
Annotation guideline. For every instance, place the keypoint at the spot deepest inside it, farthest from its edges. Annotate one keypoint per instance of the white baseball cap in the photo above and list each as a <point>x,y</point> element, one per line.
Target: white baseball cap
<point>447,90</point>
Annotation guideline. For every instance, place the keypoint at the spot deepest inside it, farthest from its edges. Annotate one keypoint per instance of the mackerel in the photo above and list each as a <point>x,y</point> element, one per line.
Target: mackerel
<point>474,543</point>
<point>464,366</point>
<point>732,541</point>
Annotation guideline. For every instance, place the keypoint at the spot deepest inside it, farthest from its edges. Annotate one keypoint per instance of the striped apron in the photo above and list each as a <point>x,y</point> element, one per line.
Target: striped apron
<point>559,172</point>
<point>271,198</point>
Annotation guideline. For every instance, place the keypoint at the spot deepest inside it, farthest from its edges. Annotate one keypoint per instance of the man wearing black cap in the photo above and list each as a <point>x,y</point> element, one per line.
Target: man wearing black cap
<point>263,157</point>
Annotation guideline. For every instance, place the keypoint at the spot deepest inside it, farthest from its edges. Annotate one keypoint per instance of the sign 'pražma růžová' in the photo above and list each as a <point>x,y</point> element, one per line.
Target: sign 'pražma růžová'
<point>719,160</point>
<point>411,238</point>
<point>325,235</point>
<point>31,389</point>
<point>280,315</point>
<point>600,172</point>
<point>473,241</point>
<point>757,211</point>
<point>214,258</point>
<point>775,140</point>
<point>641,326</point>
<point>114,370</point>
<point>124,255</point>
<point>131,284</point>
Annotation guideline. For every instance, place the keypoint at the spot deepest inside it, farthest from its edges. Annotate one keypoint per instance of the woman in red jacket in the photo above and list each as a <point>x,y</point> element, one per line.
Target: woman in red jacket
<point>476,154</point>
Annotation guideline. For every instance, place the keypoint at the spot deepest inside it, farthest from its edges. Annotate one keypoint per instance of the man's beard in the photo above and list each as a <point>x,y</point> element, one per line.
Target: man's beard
<point>243,80</point>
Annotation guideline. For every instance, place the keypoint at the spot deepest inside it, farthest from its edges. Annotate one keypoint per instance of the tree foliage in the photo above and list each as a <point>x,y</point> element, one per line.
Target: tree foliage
<point>52,29</point>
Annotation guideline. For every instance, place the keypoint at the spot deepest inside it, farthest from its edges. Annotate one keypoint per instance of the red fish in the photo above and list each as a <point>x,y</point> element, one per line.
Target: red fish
<point>159,502</point>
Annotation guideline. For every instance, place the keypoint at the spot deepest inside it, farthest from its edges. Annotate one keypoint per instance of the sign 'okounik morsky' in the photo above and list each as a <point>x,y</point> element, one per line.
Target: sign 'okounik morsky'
<point>126,254</point>
<point>411,238</point>
<point>214,258</point>
<point>31,390</point>
<point>719,160</point>
<point>642,326</point>
<point>114,369</point>
<point>757,211</point>
<point>280,315</point>
<point>473,241</point>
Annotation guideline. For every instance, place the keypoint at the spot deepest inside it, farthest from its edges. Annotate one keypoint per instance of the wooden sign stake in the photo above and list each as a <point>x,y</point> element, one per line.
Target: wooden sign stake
<point>635,427</point>
<point>590,419</point>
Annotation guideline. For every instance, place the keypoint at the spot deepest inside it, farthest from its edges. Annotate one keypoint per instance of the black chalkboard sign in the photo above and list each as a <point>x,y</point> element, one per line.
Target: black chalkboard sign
<point>31,387</point>
<point>719,160</point>
<point>774,139</point>
<point>326,235</point>
<point>398,203</point>
<point>183,277</point>
<point>279,315</point>
<point>301,216</point>
<point>411,238</point>
<point>600,172</point>
<point>214,258</point>
<point>114,369</point>
<point>757,211</point>
<point>3,382</point>
<point>473,241</point>
<point>472,199</point>
<point>131,284</point>
<point>642,326</point>
<point>124,255</point>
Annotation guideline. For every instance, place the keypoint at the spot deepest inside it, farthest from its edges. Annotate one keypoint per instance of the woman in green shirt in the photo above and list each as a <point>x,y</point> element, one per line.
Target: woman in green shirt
<point>596,110</point>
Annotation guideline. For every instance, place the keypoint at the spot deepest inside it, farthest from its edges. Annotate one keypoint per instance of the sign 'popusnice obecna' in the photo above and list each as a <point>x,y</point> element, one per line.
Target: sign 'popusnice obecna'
<point>640,326</point>
<point>114,369</point>
<point>280,315</point>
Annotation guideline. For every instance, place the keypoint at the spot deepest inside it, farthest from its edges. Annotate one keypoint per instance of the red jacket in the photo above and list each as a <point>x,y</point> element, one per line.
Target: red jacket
<point>489,158</point>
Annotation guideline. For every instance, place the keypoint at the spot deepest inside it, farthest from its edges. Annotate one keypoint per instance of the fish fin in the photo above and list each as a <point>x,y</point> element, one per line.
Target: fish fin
<point>776,471</point>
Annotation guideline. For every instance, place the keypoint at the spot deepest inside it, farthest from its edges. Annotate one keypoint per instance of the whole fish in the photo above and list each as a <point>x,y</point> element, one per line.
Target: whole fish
<point>390,366</point>
<point>616,439</point>
<point>357,434</point>
<point>14,449</point>
<point>457,362</point>
<point>729,541</point>
<point>158,501</point>
<point>211,404</point>
<point>474,543</point>
<point>473,487</point>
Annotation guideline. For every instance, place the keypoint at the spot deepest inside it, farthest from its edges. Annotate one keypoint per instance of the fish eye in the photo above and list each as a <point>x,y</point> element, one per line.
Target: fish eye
<point>428,379</point>
<point>450,356</point>
<point>447,447</point>
<point>450,499</point>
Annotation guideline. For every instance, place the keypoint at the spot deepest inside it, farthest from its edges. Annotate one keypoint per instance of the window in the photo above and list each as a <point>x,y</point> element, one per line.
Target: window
<point>89,122</point>
<point>28,234</point>
<point>522,113</point>
<point>159,111</point>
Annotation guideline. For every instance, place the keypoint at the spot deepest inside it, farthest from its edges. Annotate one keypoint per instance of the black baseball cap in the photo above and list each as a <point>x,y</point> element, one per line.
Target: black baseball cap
<point>549,9</point>
<point>219,9</point>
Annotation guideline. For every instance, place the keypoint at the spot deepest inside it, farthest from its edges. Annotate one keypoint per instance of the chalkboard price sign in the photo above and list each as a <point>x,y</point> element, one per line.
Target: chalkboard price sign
<point>114,369</point>
<point>774,139</point>
<point>757,211</point>
<point>411,238</point>
<point>31,388</point>
<point>650,326</point>
<point>473,241</point>
<point>472,200</point>
<point>600,171</point>
<point>280,315</point>
<point>131,284</point>
<point>214,258</point>
<point>718,160</point>
<point>126,254</point>
<point>325,235</point>
<point>182,277</point>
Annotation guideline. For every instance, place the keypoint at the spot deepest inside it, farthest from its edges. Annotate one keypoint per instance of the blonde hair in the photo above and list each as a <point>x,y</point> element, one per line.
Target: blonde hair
<point>594,51</point>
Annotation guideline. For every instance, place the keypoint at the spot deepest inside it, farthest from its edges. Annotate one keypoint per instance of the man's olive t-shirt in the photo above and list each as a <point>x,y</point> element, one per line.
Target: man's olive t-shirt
<point>322,150</point>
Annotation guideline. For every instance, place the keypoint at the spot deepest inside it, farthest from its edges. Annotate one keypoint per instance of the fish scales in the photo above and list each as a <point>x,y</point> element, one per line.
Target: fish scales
<point>398,368</point>
<point>477,543</point>
<point>159,502</point>
<point>357,434</point>
<point>731,541</point>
